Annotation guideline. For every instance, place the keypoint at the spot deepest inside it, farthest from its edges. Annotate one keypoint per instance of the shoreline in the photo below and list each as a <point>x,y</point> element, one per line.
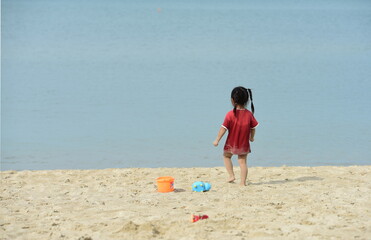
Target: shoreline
<point>235,165</point>
<point>123,203</point>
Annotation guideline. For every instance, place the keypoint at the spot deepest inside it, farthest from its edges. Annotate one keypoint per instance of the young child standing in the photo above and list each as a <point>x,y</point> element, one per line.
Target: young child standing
<point>241,125</point>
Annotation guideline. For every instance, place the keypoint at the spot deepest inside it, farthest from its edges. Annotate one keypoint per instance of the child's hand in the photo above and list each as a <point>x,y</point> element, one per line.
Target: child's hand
<point>251,139</point>
<point>215,143</point>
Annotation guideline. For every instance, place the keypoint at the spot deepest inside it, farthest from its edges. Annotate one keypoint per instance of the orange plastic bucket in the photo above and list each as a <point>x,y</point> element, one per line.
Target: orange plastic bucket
<point>165,184</point>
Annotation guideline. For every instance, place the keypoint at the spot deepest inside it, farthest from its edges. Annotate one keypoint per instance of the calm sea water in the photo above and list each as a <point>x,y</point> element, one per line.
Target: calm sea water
<point>110,84</point>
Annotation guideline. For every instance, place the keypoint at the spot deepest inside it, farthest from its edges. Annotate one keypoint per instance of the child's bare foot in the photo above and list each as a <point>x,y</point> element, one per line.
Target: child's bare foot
<point>231,179</point>
<point>243,184</point>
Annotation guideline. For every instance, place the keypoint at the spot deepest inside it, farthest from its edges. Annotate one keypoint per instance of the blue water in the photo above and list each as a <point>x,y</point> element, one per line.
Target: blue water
<point>111,84</point>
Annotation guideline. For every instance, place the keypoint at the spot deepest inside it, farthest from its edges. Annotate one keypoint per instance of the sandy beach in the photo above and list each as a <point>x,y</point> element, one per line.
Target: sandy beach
<point>278,203</point>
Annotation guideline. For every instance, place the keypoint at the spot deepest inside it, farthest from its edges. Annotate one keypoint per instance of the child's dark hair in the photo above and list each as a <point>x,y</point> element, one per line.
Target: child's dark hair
<point>241,96</point>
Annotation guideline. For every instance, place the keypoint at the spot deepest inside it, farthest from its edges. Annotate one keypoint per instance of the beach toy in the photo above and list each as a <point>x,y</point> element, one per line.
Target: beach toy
<point>195,218</point>
<point>207,186</point>
<point>201,186</point>
<point>165,184</point>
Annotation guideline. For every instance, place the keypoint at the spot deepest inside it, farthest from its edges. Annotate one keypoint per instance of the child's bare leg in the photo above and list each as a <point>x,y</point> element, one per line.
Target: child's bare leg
<point>229,166</point>
<point>243,166</point>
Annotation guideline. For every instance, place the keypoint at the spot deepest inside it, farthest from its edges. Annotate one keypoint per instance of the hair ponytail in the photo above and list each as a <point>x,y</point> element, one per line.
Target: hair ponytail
<point>252,104</point>
<point>241,96</point>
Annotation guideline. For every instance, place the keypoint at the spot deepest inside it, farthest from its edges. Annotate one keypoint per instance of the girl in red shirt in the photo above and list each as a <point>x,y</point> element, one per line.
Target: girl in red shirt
<point>240,124</point>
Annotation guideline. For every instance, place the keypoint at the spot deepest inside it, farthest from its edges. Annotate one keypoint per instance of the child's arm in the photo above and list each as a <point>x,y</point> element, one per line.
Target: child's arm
<point>252,134</point>
<point>220,135</point>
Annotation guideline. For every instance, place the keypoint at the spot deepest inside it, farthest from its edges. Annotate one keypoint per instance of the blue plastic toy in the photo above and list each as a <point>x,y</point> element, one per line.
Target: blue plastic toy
<point>201,186</point>
<point>207,186</point>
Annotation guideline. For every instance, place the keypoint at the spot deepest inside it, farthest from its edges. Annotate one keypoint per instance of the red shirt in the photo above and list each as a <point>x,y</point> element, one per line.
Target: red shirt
<point>239,126</point>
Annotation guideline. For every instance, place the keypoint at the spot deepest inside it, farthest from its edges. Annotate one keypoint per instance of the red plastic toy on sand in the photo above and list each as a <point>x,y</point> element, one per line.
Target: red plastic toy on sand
<point>195,218</point>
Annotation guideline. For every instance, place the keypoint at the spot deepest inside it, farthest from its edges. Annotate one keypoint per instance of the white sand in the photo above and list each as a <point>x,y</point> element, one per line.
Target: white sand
<point>278,203</point>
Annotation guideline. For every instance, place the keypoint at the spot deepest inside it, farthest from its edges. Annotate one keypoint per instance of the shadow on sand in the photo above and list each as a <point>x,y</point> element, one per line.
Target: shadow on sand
<point>300,179</point>
<point>176,190</point>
